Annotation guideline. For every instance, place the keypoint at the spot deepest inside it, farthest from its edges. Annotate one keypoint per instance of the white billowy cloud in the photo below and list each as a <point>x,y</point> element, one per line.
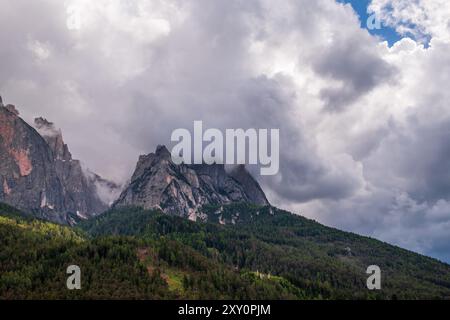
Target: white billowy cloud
<point>364,126</point>
<point>420,18</point>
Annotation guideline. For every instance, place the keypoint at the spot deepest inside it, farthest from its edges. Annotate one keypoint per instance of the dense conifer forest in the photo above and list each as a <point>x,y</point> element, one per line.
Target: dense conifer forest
<point>243,252</point>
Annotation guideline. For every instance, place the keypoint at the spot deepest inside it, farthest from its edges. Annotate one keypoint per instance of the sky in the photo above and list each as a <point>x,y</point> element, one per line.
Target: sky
<point>386,32</point>
<point>364,115</point>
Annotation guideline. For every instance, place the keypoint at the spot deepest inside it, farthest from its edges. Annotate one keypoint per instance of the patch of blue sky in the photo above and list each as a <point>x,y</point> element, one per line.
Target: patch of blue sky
<point>386,33</point>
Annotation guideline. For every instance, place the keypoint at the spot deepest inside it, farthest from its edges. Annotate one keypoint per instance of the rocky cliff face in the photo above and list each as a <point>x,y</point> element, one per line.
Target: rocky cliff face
<point>38,174</point>
<point>80,186</point>
<point>54,139</point>
<point>184,189</point>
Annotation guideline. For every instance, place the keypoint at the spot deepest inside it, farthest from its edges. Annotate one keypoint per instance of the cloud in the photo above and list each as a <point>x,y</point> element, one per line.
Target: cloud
<point>355,66</point>
<point>421,19</point>
<point>363,126</point>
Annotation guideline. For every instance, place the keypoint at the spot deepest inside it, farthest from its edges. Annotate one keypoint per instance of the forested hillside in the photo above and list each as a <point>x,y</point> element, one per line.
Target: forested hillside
<point>244,252</point>
<point>35,255</point>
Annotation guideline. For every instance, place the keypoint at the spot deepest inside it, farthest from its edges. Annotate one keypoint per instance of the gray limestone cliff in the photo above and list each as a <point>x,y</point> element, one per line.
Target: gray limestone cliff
<point>183,190</point>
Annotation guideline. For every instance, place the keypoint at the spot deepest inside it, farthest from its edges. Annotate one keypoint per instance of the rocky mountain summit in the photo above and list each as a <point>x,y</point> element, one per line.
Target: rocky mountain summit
<point>183,190</point>
<point>39,175</point>
<point>54,139</point>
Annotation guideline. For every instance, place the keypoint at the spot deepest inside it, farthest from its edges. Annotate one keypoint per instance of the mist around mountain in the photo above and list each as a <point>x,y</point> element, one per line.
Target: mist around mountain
<point>39,175</point>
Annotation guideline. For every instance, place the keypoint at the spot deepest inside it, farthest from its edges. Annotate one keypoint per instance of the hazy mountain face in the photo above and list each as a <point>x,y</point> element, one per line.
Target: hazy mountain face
<point>38,174</point>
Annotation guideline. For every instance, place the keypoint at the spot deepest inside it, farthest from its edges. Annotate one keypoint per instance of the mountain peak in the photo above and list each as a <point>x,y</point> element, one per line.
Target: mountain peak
<point>43,124</point>
<point>183,190</point>
<point>161,150</point>
<point>54,138</point>
<point>9,107</point>
<point>38,174</point>
<point>12,108</point>
<point>162,153</point>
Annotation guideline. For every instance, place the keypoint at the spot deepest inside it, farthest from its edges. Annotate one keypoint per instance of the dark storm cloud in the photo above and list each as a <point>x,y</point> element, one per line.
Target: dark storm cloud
<point>303,174</point>
<point>356,67</point>
<point>419,152</point>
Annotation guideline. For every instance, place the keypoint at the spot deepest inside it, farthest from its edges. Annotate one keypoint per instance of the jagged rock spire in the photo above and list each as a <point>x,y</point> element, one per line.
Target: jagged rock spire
<point>54,138</point>
<point>183,190</point>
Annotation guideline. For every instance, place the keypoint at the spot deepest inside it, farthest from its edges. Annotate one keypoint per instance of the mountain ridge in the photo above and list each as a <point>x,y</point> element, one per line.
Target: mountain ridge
<point>320,261</point>
<point>131,253</point>
<point>159,183</point>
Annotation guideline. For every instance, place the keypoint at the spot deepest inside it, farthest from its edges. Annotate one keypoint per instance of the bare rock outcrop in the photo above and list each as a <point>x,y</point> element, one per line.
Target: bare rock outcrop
<point>183,190</point>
